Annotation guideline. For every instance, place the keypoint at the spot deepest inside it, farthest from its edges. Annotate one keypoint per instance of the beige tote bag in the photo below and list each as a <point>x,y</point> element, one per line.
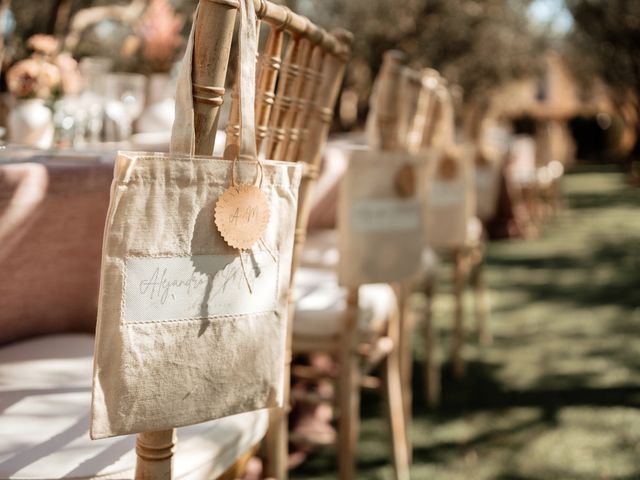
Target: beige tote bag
<point>488,167</point>
<point>189,328</point>
<point>380,218</point>
<point>450,198</point>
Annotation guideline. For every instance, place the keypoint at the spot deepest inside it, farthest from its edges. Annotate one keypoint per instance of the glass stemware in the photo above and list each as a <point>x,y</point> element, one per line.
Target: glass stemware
<point>125,98</point>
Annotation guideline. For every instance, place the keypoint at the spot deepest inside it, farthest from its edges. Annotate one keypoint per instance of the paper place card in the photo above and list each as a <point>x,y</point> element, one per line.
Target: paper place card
<point>387,214</point>
<point>200,286</point>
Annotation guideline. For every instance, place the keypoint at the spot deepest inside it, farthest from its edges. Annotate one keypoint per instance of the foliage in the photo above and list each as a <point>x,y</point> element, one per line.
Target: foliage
<point>606,42</point>
<point>478,44</point>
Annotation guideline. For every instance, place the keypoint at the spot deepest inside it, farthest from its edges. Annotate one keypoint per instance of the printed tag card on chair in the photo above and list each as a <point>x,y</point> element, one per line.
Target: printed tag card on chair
<point>380,218</point>
<point>450,197</point>
<point>195,274</point>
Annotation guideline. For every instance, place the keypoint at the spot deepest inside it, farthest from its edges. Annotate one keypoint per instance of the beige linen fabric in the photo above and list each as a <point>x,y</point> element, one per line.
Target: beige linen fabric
<point>381,231</point>
<point>180,337</point>
<point>450,200</point>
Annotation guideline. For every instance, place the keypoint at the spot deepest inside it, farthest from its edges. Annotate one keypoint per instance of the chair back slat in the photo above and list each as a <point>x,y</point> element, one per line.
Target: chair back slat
<point>311,75</point>
<point>269,63</point>
<point>213,36</point>
<point>285,99</point>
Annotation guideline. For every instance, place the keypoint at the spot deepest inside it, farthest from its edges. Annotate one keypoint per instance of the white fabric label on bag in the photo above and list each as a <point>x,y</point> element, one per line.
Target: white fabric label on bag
<point>446,194</point>
<point>485,178</point>
<point>200,286</point>
<point>385,214</point>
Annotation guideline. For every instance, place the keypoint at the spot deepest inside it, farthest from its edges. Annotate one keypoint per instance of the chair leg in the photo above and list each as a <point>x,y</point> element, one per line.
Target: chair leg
<point>431,364</point>
<point>349,394</point>
<point>349,419</point>
<point>405,352</point>
<point>155,455</point>
<point>459,281</point>
<point>275,447</point>
<point>395,415</point>
<point>481,303</point>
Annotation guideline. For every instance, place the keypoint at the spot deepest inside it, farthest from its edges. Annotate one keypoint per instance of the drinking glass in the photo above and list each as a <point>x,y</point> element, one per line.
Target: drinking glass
<point>125,95</point>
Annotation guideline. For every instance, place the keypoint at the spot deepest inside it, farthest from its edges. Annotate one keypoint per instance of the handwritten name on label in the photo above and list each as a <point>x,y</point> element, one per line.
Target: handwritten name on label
<point>242,215</point>
<point>446,194</point>
<point>200,286</point>
<point>374,215</point>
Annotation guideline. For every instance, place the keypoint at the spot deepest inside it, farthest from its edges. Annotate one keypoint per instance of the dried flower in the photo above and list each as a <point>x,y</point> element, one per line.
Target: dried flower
<point>23,78</point>
<point>44,76</point>
<point>43,44</point>
<point>160,28</point>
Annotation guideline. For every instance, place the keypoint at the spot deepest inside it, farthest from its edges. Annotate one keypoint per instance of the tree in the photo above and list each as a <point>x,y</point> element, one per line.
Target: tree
<point>606,43</point>
<point>478,44</point>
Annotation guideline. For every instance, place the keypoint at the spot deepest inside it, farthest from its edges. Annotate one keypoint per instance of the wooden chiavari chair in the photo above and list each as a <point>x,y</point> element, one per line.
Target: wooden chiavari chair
<point>359,326</point>
<point>295,98</point>
<point>433,129</point>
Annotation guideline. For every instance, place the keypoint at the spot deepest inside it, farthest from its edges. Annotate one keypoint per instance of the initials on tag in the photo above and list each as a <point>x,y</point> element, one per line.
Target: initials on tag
<point>242,215</point>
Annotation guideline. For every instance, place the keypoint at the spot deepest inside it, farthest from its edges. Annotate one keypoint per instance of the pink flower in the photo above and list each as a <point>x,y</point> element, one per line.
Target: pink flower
<point>160,28</point>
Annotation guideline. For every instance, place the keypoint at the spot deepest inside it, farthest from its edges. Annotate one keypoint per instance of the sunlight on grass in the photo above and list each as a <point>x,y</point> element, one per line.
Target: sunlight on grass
<point>554,397</point>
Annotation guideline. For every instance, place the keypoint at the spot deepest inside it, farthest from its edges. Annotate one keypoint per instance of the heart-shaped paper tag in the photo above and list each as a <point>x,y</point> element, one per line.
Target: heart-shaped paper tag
<point>242,215</point>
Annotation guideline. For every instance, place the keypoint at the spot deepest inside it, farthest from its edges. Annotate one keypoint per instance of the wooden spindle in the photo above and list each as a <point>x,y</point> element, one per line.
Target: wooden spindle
<point>431,80</point>
<point>213,35</point>
<point>298,78</point>
<point>388,100</point>
<point>284,99</point>
<point>269,64</point>
<point>300,130</point>
<point>410,88</point>
<point>154,452</point>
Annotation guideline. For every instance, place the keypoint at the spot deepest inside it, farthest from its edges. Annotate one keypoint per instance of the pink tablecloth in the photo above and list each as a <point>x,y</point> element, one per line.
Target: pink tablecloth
<point>52,211</point>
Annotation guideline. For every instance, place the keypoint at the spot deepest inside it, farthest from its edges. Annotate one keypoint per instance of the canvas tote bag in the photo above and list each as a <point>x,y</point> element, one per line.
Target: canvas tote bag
<point>190,328</point>
<point>450,197</point>
<point>380,220</point>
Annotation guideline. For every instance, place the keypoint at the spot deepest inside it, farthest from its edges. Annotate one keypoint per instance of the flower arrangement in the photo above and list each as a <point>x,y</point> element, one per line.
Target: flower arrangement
<point>159,29</point>
<point>46,74</point>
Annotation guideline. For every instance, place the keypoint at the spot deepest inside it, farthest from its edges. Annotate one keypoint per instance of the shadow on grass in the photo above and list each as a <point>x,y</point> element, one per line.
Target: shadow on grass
<point>620,259</point>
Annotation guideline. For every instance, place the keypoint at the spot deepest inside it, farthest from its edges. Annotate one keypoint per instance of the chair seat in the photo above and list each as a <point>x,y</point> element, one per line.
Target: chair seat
<point>321,304</point>
<point>45,395</point>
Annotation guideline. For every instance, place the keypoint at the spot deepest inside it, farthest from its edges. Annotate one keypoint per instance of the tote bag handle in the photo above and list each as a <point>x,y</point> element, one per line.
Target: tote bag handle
<point>183,131</point>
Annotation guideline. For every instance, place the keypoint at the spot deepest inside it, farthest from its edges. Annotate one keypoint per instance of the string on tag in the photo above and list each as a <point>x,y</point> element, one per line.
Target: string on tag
<point>242,212</point>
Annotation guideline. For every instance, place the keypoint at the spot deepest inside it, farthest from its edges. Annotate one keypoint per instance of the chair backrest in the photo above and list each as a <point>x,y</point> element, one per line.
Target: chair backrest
<point>381,219</point>
<point>296,93</point>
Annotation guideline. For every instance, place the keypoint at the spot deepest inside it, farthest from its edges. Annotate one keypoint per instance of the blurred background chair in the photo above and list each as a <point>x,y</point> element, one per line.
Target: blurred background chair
<point>51,221</point>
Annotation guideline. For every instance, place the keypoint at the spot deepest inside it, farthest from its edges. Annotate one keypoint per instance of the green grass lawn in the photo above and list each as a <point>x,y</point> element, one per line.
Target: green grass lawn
<point>557,394</point>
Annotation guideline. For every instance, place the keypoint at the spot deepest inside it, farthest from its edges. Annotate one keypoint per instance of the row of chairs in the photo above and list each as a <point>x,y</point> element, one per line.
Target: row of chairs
<point>362,324</point>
